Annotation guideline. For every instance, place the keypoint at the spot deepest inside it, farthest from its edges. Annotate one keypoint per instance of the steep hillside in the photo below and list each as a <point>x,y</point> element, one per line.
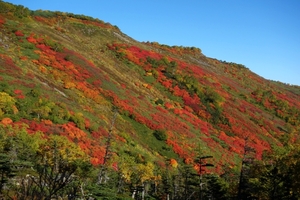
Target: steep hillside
<point>125,103</point>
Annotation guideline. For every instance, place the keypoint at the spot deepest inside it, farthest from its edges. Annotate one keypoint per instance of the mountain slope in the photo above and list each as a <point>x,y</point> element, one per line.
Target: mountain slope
<point>78,77</point>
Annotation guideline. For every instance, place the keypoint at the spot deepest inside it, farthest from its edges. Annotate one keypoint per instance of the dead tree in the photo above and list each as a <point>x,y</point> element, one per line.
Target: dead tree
<point>102,176</point>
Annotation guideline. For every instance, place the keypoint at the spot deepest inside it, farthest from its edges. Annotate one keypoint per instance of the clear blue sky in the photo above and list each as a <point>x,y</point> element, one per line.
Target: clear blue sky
<point>263,35</point>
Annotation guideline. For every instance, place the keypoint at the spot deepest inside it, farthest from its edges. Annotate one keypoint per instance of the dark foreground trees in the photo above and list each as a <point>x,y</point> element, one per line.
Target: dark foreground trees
<point>277,176</point>
<point>38,166</point>
<point>35,166</point>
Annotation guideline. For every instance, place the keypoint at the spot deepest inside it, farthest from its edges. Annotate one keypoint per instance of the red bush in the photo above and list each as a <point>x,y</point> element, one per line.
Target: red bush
<point>2,21</point>
<point>19,33</point>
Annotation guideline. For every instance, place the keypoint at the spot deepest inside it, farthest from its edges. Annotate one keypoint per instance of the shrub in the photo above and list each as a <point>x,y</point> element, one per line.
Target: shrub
<point>55,46</point>
<point>159,102</point>
<point>160,135</point>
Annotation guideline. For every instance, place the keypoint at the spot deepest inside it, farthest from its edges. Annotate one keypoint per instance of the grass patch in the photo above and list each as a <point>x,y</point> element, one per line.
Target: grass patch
<point>149,79</point>
<point>148,139</point>
<point>30,54</point>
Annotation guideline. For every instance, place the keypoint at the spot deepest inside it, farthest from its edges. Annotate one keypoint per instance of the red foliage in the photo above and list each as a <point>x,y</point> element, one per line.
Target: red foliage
<point>97,83</point>
<point>135,54</point>
<point>19,94</point>
<point>178,111</point>
<point>43,20</point>
<point>161,109</point>
<point>167,83</point>
<point>73,72</point>
<point>100,133</point>
<point>177,149</point>
<point>19,33</point>
<point>36,126</point>
<point>8,66</point>
<point>178,92</point>
<point>99,24</point>
<point>31,39</point>
<point>95,134</point>
<point>194,112</point>
<point>2,21</point>
<point>87,123</point>
<point>97,155</point>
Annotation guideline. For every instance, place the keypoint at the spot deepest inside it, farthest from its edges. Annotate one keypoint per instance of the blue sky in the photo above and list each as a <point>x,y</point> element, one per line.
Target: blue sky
<point>263,35</point>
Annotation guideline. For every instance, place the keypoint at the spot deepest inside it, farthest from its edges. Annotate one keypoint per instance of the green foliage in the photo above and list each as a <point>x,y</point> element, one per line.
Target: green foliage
<point>17,10</point>
<point>6,170</point>
<point>154,63</point>
<point>33,106</point>
<point>21,11</point>
<point>87,30</point>
<point>160,135</point>
<point>217,188</point>
<point>17,152</point>
<point>78,119</point>
<point>6,88</point>
<point>6,7</point>
<point>159,102</point>
<point>208,96</point>
<point>276,177</point>
<point>56,46</point>
<point>28,52</point>
<point>27,45</point>
<point>170,70</point>
<point>149,79</point>
<point>36,161</point>
<point>43,13</point>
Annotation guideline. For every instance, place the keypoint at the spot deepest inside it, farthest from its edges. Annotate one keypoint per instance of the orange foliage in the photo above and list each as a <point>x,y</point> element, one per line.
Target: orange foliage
<point>23,58</point>
<point>173,163</point>
<point>73,132</point>
<point>47,121</point>
<point>5,121</point>
<point>188,161</point>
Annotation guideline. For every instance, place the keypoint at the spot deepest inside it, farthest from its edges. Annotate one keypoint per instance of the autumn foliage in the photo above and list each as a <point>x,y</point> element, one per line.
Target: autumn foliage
<point>64,79</point>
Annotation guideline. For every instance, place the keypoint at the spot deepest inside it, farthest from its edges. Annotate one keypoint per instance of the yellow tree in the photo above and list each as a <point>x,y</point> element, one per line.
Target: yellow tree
<point>43,108</point>
<point>57,162</point>
<point>141,176</point>
<point>7,104</point>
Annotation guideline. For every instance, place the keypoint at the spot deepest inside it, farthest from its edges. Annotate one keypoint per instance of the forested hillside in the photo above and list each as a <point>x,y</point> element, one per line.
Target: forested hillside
<point>87,112</point>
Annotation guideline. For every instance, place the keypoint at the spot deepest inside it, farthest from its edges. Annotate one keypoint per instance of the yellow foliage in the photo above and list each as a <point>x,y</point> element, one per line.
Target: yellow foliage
<point>7,103</point>
<point>43,69</point>
<point>173,163</point>
<point>15,109</point>
<point>1,113</point>
<point>145,172</point>
<point>69,85</point>
<point>126,167</point>
<point>64,148</point>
